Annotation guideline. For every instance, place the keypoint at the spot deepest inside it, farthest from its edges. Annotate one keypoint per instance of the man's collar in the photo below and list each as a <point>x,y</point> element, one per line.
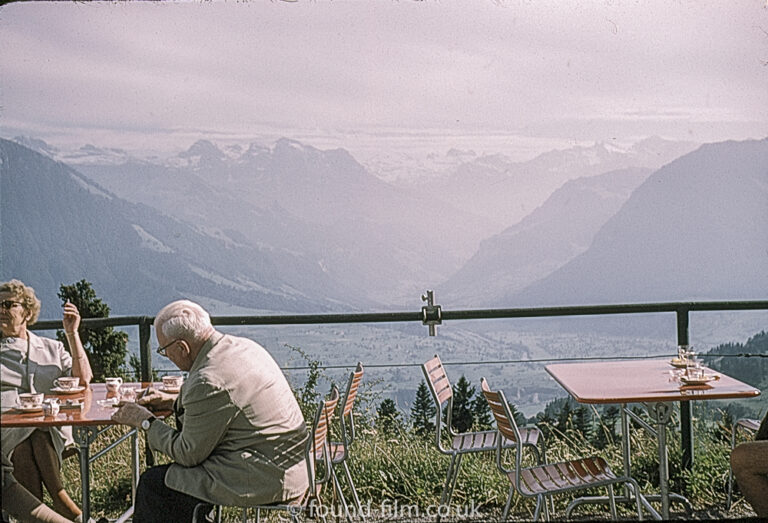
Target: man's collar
<point>207,345</point>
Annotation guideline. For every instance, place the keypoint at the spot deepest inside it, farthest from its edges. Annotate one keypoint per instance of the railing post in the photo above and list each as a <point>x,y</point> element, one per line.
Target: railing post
<point>145,355</point>
<point>686,424</point>
<point>145,352</point>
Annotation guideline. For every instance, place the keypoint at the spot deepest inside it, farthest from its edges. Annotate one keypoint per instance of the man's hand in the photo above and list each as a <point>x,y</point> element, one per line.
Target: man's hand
<point>131,414</point>
<point>156,400</point>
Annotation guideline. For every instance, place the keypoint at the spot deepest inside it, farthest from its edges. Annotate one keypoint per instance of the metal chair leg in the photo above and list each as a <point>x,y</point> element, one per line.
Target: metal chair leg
<point>508,504</point>
<point>612,503</point>
<point>448,477</point>
<point>638,499</point>
<point>729,499</point>
<point>198,514</point>
<point>455,478</point>
<point>339,493</point>
<point>354,491</point>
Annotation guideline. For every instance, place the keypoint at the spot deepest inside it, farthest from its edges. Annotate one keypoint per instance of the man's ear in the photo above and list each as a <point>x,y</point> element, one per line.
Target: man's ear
<point>185,346</point>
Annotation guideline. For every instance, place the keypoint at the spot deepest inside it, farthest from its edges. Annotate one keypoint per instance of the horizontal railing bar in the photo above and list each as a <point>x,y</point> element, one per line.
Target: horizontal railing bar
<point>301,319</point>
<point>593,310</point>
<point>471,314</point>
<point>95,323</point>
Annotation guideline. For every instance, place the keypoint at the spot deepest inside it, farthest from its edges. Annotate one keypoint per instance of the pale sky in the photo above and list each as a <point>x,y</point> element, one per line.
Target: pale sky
<point>520,75</point>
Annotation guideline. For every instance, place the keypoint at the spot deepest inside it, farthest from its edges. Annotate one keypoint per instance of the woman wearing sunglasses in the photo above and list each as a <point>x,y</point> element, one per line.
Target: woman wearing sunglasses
<point>31,363</point>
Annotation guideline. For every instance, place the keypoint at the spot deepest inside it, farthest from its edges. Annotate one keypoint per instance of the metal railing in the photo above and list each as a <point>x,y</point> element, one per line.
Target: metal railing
<point>432,315</point>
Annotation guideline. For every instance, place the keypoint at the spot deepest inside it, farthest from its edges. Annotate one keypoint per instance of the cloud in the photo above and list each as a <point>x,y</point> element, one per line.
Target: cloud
<point>474,68</point>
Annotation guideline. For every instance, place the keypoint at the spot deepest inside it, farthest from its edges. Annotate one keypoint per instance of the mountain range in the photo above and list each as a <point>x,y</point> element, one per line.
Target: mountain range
<point>57,227</point>
<point>506,191</point>
<point>381,242</point>
<point>552,235</point>
<point>696,229</point>
<point>289,227</point>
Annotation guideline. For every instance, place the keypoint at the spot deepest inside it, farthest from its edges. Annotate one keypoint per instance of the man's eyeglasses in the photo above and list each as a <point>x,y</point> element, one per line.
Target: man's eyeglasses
<point>161,350</point>
<point>8,304</point>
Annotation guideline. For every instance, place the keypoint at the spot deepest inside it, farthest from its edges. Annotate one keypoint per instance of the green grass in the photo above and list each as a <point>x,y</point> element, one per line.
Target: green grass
<point>405,468</point>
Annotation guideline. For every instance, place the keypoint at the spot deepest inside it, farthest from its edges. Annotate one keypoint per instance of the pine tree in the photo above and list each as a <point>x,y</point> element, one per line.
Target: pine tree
<point>606,431</point>
<point>581,422</point>
<point>481,412</point>
<point>564,417</point>
<point>462,414</point>
<point>423,411</point>
<point>106,348</point>
<point>519,416</point>
<point>388,417</point>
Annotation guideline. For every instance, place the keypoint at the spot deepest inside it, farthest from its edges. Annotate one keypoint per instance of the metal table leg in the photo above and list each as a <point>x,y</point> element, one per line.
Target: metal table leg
<point>84,436</point>
<point>660,414</point>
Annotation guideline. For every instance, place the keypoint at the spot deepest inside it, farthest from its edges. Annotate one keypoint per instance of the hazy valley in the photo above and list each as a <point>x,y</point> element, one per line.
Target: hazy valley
<point>286,227</point>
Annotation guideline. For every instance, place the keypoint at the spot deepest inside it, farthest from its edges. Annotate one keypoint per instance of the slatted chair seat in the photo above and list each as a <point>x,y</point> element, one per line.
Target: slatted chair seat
<point>748,423</point>
<point>485,441</point>
<point>547,479</point>
<point>561,477</point>
<point>475,441</point>
<point>338,452</point>
<point>466,442</point>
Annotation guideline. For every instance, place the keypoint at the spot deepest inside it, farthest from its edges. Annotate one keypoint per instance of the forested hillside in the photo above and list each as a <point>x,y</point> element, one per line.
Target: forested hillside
<point>751,368</point>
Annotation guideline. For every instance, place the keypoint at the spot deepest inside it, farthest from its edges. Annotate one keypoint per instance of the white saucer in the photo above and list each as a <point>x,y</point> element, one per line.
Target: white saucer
<point>678,362</point>
<point>698,381</point>
<point>169,390</point>
<point>73,390</point>
<point>29,409</point>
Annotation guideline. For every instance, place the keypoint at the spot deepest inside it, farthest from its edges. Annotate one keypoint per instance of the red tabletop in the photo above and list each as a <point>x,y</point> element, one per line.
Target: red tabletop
<point>637,381</point>
<point>92,412</point>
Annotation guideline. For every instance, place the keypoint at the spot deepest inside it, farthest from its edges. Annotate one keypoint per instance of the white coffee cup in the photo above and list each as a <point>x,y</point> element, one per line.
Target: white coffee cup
<point>172,382</point>
<point>30,400</point>
<point>67,382</point>
<point>113,384</point>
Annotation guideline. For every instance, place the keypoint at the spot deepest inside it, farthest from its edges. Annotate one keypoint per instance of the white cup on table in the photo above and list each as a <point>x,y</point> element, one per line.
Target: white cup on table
<point>172,382</point>
<point>113,384</point>
<point>67,382</point>
<point>31,400</point>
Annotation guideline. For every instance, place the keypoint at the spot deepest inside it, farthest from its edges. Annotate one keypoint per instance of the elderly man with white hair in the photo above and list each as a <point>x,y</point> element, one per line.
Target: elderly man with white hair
<point>240,434</point>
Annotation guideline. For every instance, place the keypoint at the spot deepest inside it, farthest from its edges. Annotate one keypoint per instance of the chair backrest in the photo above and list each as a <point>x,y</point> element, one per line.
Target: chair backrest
<point>438,382</point>
<point>505,422</point>
<point>355,377</point>
<point>317,446</point>
<point>442,392</point>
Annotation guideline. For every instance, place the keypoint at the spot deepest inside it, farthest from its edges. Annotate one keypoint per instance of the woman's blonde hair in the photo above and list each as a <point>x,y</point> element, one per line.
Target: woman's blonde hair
<point>26,296</point>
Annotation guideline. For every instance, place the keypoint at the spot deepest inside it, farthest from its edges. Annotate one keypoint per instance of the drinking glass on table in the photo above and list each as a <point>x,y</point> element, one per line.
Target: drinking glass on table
<point>693,366</point>
<point>128,394</point>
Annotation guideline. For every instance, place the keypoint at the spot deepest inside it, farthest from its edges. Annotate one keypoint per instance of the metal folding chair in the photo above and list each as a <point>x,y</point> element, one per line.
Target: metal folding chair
<point>340,449</point>
<point>547,479</point>
<point>745,425</point>
<point>467,442</point>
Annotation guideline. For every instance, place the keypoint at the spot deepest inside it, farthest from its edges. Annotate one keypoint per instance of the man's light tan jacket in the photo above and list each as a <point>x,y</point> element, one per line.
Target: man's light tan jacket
<point>242,435</point>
